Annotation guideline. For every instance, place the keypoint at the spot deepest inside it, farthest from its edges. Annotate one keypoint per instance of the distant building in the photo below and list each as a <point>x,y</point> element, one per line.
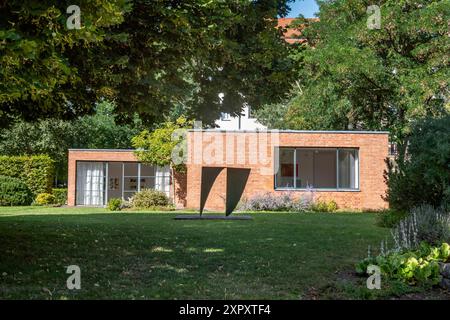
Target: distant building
<point>246,120</point>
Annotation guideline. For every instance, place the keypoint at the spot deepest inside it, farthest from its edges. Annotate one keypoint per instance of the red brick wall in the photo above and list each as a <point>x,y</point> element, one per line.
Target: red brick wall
<point>120,156</point>
<point>373,149</point>
<point>372,152</point>
<point>91,155</point>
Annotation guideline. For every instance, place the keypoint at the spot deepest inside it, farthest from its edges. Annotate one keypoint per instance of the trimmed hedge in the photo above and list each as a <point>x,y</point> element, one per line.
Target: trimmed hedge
<point>35,171</point>
<point>14,192</point>
<point>60,195</point>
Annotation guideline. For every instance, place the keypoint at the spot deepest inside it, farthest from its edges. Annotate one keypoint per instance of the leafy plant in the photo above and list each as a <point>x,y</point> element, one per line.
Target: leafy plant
<point>158,147</point>
<point>325,206</point>
<point>284,201</point>
<point>389,218</point>
<point>36,171</point>
<point>423,224</point>
<point>60,195</point>
<point>148,199</point>
<point>114,204</point>
<point>424,175</point>
<point>14,192</point>
<point>45,199</point>
<point>416,267</point>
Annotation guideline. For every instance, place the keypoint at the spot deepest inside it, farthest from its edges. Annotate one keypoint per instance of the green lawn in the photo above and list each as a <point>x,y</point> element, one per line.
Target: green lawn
<point>149,255</point>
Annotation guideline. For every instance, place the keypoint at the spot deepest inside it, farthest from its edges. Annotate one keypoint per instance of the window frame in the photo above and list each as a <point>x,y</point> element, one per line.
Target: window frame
<point>337,189</point>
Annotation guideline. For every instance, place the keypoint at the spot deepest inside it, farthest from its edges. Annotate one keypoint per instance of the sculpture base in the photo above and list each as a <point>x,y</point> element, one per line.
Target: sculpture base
<point>210,217</point>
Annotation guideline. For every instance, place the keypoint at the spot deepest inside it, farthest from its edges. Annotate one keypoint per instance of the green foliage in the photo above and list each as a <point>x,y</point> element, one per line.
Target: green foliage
<point>114,204</point>
<point>47,70</point>
<point>389,218</point>
<point>193,50</point>
<point>35,171</point>
<point>361,78</point>
<point>418,267</point>
<point>424,176</point>
<point>45,199</point>
<point>60,195</point>
<point>14,192</point>
<point>149,199</point>
<point>324,206</point>
<point>163,145</point>
<point>54,137</point>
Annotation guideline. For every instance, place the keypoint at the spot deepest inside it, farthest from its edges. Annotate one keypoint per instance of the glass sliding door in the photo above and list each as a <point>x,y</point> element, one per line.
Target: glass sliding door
<point>91,183</point>
<point>115,180</point>
<point>162,180</point>
<point>130,179</point>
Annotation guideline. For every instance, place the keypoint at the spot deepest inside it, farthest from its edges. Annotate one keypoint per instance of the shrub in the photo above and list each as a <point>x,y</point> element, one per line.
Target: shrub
<point>44,199</point>
<point>424,175</point>
<point>14,192</point>
<point>389,218</point>
<point>149,198</point>
<point>267,202</point>
<point>60,195</point>
<point>114,204</point>
<point>278,202</point>
<point>324,206</point>
<point>419,266</point>
<point>423,223</point>
<point>35,171</point>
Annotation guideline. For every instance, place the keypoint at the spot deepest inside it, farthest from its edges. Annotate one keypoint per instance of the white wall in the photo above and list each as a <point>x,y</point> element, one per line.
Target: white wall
<point>244,122</point>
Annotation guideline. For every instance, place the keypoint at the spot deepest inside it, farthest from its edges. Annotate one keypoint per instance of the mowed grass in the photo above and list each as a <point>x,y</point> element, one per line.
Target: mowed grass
<point>139,255</point>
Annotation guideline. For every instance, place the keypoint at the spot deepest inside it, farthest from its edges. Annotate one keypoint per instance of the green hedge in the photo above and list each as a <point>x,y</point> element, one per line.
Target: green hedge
<point>14,192</point>
<point>60,195</point>
<point>36,171</point>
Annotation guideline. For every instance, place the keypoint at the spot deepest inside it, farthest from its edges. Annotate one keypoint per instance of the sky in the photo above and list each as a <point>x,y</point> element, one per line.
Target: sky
<point>305,7</point>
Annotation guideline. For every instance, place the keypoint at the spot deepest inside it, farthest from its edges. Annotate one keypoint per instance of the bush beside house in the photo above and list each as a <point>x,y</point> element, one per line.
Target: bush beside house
<point>286,201</point>
<point>14,192</point>
<point>423,176</point>
<point>35,171</point>
<point>420,249</point>
<point>146,199</point>
<point>60,195</point>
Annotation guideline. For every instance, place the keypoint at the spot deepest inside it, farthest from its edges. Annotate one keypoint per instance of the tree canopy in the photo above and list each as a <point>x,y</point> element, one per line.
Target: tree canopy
<point>354,77</point>
<point>147,56</point>
<point>54,136</point>
<point>164,146</point>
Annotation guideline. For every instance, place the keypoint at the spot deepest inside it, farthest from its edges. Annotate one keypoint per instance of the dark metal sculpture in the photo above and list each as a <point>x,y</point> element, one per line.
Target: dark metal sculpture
<point>236,181</point>
<point>209,175</point>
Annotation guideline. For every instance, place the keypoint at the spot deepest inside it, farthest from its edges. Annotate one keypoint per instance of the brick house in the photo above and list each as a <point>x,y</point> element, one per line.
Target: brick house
<point>345,166</point>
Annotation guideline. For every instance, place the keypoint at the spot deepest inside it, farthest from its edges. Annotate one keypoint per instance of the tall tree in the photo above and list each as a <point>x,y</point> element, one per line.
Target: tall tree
<point>54,137</point>
<point>148,55</point>
<point>353,76</point>
<point>46,69</point>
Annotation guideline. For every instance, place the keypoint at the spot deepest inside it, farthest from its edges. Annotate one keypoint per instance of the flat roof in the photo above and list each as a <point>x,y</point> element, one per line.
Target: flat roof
<point>103,150</point>
<point>294,131</point>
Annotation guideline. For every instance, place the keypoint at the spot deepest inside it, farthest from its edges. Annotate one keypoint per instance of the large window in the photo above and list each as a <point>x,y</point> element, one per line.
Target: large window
<point>98,182</point>
<point>318,168</point>
<point>90,183</point>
